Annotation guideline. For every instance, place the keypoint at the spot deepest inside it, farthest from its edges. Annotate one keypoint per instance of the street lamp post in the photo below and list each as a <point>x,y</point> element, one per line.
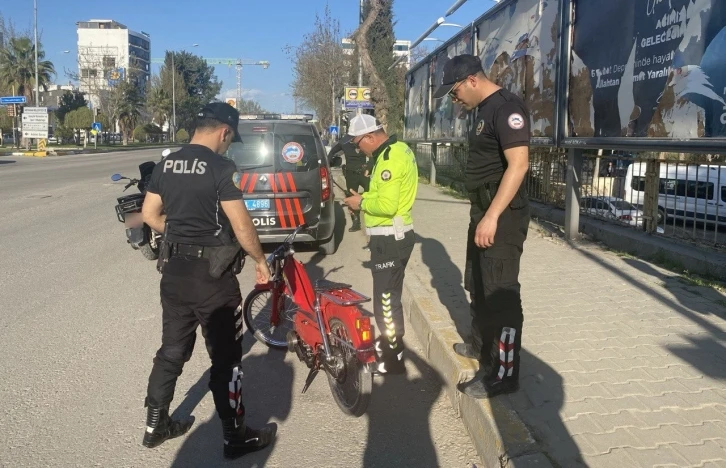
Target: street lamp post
<point>35,14</point>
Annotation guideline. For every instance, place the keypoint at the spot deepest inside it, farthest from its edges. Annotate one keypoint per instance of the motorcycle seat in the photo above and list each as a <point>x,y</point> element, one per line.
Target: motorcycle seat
<point>325,285</point>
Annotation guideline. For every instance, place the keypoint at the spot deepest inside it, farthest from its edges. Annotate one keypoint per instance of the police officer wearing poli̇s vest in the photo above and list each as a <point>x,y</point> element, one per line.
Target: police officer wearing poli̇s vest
<point>193,197</point>
<point>387,208</point>
<point>499,218</point>
<point>355,174</point>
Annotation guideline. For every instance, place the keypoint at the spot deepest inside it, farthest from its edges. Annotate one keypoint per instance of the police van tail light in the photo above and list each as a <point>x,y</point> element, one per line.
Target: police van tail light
<point>325,183</point>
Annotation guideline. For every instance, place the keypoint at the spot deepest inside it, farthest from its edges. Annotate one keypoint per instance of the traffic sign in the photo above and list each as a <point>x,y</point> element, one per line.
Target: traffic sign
<point>96,126</point>
<point>333,129</point>
<point>35,118</point>
<point>358,97</point>
<point>35,110</point>
<point>35,134</point>
<point>35,126</point>
<point>12,100</point>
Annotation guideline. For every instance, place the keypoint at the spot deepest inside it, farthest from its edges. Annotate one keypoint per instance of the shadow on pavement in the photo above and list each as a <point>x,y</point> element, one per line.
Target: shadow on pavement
<point>3,161</point>
<point>398,418</point>
<point>447,280</point>
<point>538,402</point>
<point>707,352</point>
<point>268,382</point>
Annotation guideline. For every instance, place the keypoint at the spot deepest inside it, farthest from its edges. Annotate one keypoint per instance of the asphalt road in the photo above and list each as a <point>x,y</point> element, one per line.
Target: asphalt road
<point>80,321</point>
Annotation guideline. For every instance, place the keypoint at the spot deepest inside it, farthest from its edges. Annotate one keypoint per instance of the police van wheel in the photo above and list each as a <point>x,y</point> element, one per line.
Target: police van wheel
<point>328,247</point>
<point>149,252</point>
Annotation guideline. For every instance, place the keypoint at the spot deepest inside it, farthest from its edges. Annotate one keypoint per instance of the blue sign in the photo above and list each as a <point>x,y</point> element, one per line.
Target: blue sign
<point>12,100</point>
<point>96,126</point>
<point>333,129</point>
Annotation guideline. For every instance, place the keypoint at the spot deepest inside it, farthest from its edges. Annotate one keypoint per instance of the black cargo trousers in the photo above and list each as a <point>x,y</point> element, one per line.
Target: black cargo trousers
<point>191,297</point>
<point>492,279</point>
<point>389,258</point>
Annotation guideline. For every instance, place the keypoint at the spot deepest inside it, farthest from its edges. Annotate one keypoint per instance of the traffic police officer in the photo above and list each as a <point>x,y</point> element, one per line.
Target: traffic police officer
<point>499,218</point>
<point>193,198</point>
<point>355,174</point>
<point>387,208</point>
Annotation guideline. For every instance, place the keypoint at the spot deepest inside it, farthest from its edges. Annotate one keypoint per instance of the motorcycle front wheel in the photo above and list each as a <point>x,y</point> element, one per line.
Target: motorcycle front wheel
<point>349,381</point>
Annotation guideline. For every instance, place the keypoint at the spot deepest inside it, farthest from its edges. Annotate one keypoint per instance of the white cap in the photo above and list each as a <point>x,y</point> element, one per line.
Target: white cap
<point>363,124</point>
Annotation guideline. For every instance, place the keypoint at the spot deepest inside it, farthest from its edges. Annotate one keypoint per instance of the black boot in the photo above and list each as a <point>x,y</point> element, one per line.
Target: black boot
<point>503,376</point>
<point>390,360</point>
<point>160,426</point>
<point>240,440</point>
<point>355,219</point>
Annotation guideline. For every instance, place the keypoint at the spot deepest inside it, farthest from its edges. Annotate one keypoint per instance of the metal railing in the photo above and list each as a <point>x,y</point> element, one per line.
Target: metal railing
<point>689,189</point>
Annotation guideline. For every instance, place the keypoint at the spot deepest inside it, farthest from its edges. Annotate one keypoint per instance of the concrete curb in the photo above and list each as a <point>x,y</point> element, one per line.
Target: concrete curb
<point>498,433</point>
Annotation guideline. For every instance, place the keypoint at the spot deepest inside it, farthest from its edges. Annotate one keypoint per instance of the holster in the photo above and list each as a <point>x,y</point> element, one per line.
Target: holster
<point>483,195</point>
<point>228,256</point>
<point>164,251</point>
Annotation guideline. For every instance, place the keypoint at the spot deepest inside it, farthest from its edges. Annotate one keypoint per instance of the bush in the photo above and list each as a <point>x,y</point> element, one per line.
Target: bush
<point>182,136</point>
<point>140,133</point>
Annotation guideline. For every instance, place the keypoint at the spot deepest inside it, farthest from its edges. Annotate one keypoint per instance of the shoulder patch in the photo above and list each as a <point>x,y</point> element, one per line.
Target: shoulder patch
<point>236,177</point>
<point>386,175</point>
<point>516,121</point>
<point>479,127</point>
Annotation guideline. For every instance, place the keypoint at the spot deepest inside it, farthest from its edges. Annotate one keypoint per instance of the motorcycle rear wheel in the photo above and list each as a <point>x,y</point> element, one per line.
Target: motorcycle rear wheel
<point>149,252</point>
<point>349,381</point>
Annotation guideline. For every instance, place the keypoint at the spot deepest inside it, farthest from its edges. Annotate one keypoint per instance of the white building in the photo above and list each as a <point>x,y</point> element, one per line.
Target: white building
<point>108,52</point>
<point>400,48</point>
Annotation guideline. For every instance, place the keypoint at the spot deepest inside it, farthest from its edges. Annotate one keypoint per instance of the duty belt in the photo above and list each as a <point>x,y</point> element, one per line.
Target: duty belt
<point>189,250</point>
<point>386,230</point>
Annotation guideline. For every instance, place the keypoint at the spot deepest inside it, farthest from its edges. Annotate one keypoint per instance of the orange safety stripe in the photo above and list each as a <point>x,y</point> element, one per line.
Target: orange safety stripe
<point>253,182</point>
<point>278,204</point>
<point>243,182</point>
<point>298,209</point>
<point>287,200</point>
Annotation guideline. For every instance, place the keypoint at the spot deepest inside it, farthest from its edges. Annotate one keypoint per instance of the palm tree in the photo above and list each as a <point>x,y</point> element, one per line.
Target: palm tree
<point>17,67</point>
<point>131,103</point>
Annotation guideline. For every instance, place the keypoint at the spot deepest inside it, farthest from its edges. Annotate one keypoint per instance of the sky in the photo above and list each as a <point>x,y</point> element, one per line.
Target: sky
<point>254,31</point>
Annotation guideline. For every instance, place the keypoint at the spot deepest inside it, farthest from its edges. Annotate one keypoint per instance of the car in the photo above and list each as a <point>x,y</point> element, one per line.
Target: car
<point>612,208</point>
<point>285,178</point>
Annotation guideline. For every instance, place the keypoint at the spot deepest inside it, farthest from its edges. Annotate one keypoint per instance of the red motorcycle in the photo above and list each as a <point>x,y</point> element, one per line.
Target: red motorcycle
<point>321,323</point>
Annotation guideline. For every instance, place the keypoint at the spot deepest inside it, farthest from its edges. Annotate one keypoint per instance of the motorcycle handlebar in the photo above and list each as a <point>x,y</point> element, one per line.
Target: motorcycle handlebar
<point>283,250</point>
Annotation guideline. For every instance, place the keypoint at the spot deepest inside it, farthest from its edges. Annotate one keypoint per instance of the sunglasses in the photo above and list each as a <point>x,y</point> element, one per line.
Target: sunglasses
<point>452,93</point>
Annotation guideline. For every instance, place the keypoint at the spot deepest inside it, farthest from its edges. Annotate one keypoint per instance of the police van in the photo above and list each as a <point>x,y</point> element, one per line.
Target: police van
<point>285,178</point>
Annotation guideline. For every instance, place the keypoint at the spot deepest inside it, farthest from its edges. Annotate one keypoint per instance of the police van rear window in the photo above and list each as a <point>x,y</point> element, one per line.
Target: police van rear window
<point>275,147</point>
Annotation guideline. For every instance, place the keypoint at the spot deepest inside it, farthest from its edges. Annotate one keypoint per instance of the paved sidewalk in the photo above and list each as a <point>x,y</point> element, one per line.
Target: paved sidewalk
<point>624,363</point>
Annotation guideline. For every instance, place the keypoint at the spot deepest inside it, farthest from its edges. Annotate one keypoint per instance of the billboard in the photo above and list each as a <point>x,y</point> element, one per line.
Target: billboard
<point>448,121</point>
<point>653,69</point>
<point>417,97</point>
<point>358,97</point>
<point>518,46</point>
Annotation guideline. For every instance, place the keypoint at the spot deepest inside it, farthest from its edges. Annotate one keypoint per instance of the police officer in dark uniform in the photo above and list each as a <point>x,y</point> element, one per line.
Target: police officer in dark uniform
<point>193,197</point>
<point>499,218</point>
<point>356,174</point>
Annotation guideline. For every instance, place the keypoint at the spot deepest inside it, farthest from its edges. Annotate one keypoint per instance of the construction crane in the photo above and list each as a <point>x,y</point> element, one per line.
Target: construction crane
<point>238,63</point>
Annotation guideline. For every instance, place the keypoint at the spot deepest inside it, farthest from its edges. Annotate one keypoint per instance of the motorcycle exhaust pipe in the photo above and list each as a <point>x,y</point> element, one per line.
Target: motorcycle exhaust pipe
<point>292,341</point>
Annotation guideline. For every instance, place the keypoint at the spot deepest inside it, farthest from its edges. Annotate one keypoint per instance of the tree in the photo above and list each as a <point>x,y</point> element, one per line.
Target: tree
<point>374,41</point>
<point>250,106</point>
<point>320,67</point>
<point>131,103</point>
<point>80,120</point>
<point>17,67</point>
<point>70,101</point>
<point>200,86</point>
<point>182,135</point>
<point>140,133</point>
<point>419,53</point>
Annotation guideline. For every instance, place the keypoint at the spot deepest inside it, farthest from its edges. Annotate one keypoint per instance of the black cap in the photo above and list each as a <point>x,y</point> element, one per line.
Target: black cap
<point>457,69</point>
<point>222,112</point>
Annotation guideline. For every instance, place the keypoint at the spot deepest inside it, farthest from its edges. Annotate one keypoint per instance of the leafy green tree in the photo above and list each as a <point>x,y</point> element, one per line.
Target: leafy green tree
<point>182,136</point>
<point>140,133</point>
<point>70,101</point>
<point>250,106</point>
<point>131,103</point>
<point>17,67</point>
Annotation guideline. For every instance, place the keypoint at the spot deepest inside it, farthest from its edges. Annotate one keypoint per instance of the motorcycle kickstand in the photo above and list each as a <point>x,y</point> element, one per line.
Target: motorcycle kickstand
<point>311,376</point>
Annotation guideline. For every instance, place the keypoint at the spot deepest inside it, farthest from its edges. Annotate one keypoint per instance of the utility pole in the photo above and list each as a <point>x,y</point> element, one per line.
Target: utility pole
<point>360,60</point>
<point>173,97</point>
<point>35,14</point>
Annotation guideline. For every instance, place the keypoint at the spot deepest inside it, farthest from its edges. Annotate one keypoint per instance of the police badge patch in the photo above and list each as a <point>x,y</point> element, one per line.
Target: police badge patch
<point>236,177</point>
<point>479,127</point>
<point>386,175</point>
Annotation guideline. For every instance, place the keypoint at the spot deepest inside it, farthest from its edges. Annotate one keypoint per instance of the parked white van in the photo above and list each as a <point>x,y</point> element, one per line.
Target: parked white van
<point>690,192</point>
